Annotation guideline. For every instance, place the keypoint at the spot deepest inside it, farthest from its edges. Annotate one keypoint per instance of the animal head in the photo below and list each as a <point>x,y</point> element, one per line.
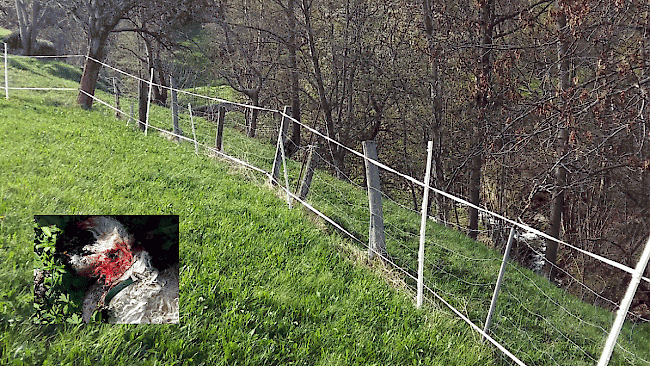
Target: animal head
<point>110,255</point>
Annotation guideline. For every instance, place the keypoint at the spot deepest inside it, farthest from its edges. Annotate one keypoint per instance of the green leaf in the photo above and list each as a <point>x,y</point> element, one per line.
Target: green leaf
<point>74,319</point>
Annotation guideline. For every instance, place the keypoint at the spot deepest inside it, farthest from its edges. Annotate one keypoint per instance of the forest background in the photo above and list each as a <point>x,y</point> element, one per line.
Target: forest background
<point>537,109</point>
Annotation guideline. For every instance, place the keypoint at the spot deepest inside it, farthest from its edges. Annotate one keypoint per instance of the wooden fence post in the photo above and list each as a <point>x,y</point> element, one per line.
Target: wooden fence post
<point>377,245</point>
<point>176,129</point>
<point>116,91</point>
<point>306,182</point>
<point>221,118</point>
<point>277,160</point>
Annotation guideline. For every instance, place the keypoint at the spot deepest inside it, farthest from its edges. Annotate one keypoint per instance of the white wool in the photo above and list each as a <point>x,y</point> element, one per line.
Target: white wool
<point>107,232</point>
<point>153,297</point>
<point>104,228</point>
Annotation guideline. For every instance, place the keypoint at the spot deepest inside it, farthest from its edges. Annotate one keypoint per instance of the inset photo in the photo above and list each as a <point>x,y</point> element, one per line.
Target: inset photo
<point>120,269</point>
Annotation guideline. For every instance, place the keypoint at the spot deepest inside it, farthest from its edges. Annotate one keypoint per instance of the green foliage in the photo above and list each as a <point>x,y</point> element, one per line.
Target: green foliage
<point>59,303</point>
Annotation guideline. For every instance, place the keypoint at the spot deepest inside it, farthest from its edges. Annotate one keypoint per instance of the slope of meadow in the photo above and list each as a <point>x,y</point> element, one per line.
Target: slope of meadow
<point>260,283</point>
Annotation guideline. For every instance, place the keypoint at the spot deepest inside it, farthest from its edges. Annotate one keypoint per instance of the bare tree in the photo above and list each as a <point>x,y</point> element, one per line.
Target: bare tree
<point>245,52</point>
<point>437,107</point>
<point>35,17</point>
<point>291,42</point>
<point>31,16</point>
<point>353,59</point>
<point>564,83</point>
<point>99,18</point>
<point>161,28</point>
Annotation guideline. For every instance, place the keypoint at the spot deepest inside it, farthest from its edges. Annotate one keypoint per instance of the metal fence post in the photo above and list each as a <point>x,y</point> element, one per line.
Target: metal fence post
<point>131,118</point>
<point>502,272</point>
<point>625,306</point>
<point>306,182</point>
<point>275,171</point>
<point>377,242</point>
<point>116,91</point>
<point>175,128</point>
<point>196,147</point>
<point>142,104</point>
<point>284,165</point>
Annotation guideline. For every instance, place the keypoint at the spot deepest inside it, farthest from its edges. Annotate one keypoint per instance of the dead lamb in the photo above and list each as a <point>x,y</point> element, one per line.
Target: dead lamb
<point>133,291</point>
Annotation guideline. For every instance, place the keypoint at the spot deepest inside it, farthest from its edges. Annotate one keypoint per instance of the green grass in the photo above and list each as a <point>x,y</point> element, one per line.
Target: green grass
<point>540,323</point>
<point>260,284</point>
<point>4,32</point>
<point>219,92</point>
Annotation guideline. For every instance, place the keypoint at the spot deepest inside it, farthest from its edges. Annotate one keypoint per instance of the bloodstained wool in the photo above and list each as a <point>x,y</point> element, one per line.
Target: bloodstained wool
<point>113,265</point>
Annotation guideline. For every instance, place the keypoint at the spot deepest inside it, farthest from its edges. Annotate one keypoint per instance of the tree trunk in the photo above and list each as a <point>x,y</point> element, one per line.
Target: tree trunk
<point>27,25</point>
<point>437,113</point>
<point>564,83</point>
<point>252,126</point>
<point>325,103</point>
<point>90,74</point>
<point>557,209</point>
<point>294,142</point>
<point>159,93</point>
<point>483,90</point>
<point>162,96</point>
<point>102,19</point>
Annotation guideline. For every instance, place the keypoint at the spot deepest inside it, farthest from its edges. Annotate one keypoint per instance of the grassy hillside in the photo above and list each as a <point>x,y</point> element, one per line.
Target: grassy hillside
<point>260,284</point>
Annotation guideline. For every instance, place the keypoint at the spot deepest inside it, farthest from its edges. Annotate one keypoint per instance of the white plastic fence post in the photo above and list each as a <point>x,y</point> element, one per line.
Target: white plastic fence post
<point>196,147</point>
<point>275,172</point>
<point>625,306</point>
<point>6,75</point>
<point>174,107</point>
<point>146,125</point>
<point>284,165</point>
<point>502,272</point>
<point>423,226</point>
